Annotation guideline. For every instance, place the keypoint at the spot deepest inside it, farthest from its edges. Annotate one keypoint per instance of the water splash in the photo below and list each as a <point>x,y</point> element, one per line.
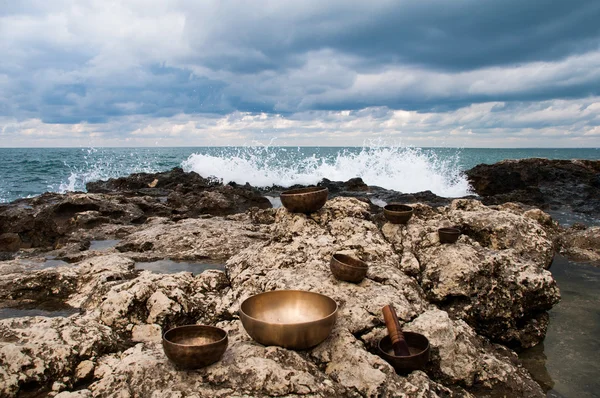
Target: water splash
<point>403,169</point>
<point>102,165</point>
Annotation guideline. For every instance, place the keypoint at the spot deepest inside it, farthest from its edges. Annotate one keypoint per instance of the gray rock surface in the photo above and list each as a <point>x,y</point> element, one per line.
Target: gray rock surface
<point>113,348</point>
<point>582,245</point>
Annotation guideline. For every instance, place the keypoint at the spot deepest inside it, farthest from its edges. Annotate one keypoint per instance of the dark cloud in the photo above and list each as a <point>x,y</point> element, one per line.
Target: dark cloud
<point>87,63</point>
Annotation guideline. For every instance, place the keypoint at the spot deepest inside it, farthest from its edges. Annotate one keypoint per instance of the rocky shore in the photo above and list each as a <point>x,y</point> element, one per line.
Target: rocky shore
<point>475,300</point>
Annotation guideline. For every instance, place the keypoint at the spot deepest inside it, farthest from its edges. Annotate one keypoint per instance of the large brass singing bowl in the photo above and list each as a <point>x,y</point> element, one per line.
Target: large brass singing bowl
<point>304,200</point>
<point>293,319</point>
<point>195,346</point>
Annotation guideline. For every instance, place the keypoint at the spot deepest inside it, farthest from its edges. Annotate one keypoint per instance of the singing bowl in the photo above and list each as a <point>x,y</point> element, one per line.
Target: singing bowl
<point>397,213</point>
<point>293,319</point>
<point>347,268</point>
<point>194,346</point>
<point>418,346</point>
<point>304,200</point>
<point>448,235</point>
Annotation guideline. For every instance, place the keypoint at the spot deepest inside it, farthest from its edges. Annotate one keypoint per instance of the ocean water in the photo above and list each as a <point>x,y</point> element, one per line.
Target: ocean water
<point>26,172</point>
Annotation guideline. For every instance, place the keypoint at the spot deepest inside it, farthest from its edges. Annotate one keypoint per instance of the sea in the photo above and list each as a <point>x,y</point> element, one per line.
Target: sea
<point>27,172</point>
<point>566,364</point>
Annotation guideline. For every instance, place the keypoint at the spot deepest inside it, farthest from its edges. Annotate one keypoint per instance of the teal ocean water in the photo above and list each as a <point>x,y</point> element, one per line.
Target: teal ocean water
<point>26,172</point>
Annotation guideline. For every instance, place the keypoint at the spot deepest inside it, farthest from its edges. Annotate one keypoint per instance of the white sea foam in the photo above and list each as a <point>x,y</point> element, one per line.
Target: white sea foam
<point>403,169</point>
<point>102,165</point>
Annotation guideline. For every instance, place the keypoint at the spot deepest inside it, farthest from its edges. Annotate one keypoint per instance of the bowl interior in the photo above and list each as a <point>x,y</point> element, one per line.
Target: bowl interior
<point>417,346</point>
<point>195,335</point>
<point>349,261</point>
<point>288,307</point>
<point>301,191</point>
<point>398,208</point>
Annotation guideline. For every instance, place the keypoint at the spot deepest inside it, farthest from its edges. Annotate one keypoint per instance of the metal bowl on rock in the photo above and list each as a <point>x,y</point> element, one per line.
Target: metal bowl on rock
<point>418,346</point>
<point>304,200</point>
<point>293,319</point>
<point>195,346</point>
<point>397,213</point>
<point>448,235</point>
<point>347,268</point>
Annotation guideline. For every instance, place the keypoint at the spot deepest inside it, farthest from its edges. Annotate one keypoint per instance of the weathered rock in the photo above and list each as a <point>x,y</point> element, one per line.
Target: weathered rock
<point>192,239</point>
<point>188,194</point>
<point>466,358</point>
<point>573,184</point>
<point>42,221</point>
<point>10,242</point>
<point>292,251</point>
<point>39,351</point>
<point>342,225</point>
<point>582,245</point>
<point>493,278</point>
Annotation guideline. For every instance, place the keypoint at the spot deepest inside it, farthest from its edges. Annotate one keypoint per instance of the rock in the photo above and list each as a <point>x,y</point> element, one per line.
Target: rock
<point>289,251</point>
<point>46,220</point>
<point>146,333</point>
<point>582,245</point>
<point>194,239</point>
<point>10,242</point>
<point>188,193</point>
<point>501,230</point>
<point>468,359</point>
<point>84,371</point>
<point>493,277</point>
<point>37,351</point>
<point>572,184</point>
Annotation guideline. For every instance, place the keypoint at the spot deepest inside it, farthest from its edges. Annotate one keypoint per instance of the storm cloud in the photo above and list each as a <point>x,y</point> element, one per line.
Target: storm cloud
<point>112,73</point>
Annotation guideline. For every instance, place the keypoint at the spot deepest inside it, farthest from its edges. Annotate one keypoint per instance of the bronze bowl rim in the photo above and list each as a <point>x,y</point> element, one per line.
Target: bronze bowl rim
<point>196,326</point>
<point>418,354</point>
<point>449,230</point>
<point>303,191</point>
<point>333,313</point>
<point>359,267</point>
<point>408,209</point>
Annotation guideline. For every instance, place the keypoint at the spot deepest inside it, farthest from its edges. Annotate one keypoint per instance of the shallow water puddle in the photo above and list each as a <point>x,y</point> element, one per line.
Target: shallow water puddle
<point>567,363</point>
<point>6,313</point>
<point>168,266</point>
<point>52,262</point>
<point>100,245</point>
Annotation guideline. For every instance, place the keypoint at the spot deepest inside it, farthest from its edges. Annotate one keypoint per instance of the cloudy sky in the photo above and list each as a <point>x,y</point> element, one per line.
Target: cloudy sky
<point>467,73</point>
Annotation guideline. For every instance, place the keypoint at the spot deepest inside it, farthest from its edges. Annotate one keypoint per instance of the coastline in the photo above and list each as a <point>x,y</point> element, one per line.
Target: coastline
<point>441,291</point>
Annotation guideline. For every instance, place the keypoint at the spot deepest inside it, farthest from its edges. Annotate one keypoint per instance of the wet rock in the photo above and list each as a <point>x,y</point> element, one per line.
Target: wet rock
<point>10,242</point>
<point>541,182</point>
<point>188,194</point>
<point>50,217</point>
<point>582,244</point>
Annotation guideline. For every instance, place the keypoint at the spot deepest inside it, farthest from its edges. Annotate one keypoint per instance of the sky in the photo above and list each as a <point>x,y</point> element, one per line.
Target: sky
<point>461,73</point>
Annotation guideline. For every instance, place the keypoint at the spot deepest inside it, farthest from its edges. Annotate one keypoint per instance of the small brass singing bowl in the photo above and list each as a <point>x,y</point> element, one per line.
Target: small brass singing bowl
<point>418,346</point>
<point>194,346</point>
<point>347,268</point>
<point>397,213</point>
<point>304,200</point>
<point>448,235</point>
<point>293,319</point>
